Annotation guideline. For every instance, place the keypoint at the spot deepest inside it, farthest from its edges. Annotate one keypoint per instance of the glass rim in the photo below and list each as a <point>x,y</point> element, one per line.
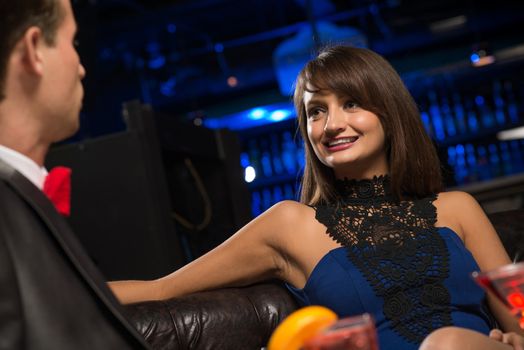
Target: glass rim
<point>362,320</point>
<point>505,270</point>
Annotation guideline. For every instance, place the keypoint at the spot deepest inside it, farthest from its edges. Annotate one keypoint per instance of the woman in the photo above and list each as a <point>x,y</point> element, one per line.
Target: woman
<point>373,233</point>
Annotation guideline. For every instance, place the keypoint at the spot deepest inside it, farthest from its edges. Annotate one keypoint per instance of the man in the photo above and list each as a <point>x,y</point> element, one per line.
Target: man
<point>51,295</point>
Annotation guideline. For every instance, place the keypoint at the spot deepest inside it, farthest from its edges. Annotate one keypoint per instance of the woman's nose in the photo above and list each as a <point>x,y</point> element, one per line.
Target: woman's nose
<point>335,122</point>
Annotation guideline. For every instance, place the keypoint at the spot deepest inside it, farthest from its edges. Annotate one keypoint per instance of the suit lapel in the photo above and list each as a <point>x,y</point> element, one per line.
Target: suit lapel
<point>66,239</point>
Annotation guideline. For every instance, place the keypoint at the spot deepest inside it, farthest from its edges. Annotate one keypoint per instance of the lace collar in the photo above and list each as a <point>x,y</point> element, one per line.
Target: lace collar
<point>378,186</point>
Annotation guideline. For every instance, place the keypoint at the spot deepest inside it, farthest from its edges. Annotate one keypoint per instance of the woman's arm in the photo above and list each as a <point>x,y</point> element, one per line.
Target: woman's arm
<point>256,252</point>
<point>483,242</point>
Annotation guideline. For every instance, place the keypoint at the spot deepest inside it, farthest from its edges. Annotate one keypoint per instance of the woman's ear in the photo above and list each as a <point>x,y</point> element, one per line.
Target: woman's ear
<point>31,47</point>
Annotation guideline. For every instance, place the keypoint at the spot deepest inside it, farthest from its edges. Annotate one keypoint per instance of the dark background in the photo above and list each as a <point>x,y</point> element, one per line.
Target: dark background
<point>138,206</point>
<point>177,54</point>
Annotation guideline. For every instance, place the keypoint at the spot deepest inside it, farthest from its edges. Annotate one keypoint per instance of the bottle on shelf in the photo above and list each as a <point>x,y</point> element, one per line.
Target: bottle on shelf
<point>256,203</point>
<point>516,156</point>
<point>460,113</point>
<point>244,160</point>
<point>486,115</point>
<point>494,160</point>
<point>436,116</point>
<point>448,118</point>
<point>276,154</point>
<point>267,199</point>
<point>483,163</point>
<point>471,160</point>
<point>289,151</point>
<point>254,156</point>
<point>289,192</point>
<point>499,103</point>
<point>472,118</point>
<point>278,195</point>
<point>512,107</point>
<point>265,158</point>
<point>452,157</point>
<point>426,120</point>
<point>505,157</point>
<point>461,171</point>
<point>300,156</point>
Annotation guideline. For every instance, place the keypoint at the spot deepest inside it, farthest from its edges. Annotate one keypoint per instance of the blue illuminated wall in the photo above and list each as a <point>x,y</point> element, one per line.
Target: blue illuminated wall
<point>463,117</point>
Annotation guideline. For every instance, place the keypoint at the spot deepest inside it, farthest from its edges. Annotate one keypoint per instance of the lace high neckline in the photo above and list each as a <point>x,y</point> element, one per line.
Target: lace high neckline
<point>396,247</point>
<point>378,186</point>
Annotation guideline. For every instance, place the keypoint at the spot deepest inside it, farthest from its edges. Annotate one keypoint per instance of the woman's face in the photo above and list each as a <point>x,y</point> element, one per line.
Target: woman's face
<point>345,137</point>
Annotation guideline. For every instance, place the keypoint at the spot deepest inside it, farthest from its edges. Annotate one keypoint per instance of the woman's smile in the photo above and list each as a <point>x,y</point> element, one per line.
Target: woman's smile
<point>341,143</point>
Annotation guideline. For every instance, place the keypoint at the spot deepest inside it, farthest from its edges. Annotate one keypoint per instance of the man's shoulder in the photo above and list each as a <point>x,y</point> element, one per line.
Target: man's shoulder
<point>6,170</point>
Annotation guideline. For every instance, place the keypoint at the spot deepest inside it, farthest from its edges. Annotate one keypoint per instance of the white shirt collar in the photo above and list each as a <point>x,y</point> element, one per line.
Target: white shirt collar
<point>24,165</point>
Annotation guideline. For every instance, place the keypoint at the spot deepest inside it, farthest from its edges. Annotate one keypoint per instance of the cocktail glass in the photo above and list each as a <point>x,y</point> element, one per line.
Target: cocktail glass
<point>507,284</point>
<point>351,333</point>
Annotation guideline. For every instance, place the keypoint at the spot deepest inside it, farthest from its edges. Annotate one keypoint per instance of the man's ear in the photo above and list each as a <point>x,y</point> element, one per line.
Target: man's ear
<point>32,45</point>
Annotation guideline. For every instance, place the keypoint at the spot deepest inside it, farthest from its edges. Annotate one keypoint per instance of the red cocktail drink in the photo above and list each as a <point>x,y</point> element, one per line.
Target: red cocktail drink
<point>507,284</point>
<point>352,333</point>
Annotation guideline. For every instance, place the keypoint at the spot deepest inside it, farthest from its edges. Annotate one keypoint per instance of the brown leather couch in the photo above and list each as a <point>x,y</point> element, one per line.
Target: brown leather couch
<point>244,318</point>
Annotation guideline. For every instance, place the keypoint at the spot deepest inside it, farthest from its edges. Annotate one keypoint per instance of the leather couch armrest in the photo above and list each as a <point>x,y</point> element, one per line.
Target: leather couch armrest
<point>229,318</point>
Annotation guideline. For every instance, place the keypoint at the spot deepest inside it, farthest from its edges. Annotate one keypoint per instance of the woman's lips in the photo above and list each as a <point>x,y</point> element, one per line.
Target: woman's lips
<point>341,143</point>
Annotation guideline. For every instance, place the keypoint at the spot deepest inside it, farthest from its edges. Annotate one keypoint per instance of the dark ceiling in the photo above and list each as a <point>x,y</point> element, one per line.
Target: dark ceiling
<point>178,55</point>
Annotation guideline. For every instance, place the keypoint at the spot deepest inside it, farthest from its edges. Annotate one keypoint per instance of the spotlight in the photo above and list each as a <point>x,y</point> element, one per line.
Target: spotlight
<point>249,174</point>
<point>279,115</point>
<point>232,81</point>
<point>481,55</point>
<point>257,113</point>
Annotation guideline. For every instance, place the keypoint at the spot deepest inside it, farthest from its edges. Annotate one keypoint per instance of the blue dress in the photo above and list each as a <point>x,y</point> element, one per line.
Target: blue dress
<point>396,265</point>
<point>337,284</point>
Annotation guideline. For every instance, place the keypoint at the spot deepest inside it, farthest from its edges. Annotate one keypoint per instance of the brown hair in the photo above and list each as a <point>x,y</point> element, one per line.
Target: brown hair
<point>17,17</point>
<point>371,82</point>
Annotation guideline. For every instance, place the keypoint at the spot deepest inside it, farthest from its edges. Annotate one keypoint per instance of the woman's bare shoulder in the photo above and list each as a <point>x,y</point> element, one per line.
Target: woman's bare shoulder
<point>454,208</point>
<point>292,220</point>
<point>456,198</point>
<point>456,203</point>
<point>283,214</point>
<point>292,206</point>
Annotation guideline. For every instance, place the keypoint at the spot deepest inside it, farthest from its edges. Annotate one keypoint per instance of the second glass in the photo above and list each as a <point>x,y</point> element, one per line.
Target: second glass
<point>352,333</point>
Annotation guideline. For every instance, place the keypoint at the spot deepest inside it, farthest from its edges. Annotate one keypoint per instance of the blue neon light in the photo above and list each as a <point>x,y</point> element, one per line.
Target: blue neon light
<point>474,57</point>
<point>253,117</point>
<point>280,114</point>
<point>257,113</point>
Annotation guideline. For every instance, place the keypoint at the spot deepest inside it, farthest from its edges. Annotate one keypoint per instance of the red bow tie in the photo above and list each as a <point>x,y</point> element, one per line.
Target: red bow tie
<point>57,187</point>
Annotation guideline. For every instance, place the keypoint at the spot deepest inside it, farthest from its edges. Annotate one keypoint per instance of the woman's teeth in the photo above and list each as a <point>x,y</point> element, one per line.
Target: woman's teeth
<point>342,140</point>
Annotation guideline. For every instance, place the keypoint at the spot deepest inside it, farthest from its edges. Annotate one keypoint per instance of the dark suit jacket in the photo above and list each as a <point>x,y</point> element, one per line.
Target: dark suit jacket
<point>51,294</point>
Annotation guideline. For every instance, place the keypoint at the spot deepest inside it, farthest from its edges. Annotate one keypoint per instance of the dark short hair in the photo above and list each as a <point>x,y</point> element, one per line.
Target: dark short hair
<point>17,17</point>
<point>370,81</point>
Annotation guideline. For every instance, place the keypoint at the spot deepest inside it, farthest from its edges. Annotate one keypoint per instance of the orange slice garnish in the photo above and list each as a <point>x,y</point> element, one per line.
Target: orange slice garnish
<point>300,326</point>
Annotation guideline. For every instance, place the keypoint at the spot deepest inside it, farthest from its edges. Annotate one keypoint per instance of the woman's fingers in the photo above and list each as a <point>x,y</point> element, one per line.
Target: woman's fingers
<point>511,338</point>
<point>514,339</point>
<point>496,334</point>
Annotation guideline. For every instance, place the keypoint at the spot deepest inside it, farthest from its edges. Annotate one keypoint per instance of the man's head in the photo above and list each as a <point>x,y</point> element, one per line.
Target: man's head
<point>39,66</point>
<point>21,15</point>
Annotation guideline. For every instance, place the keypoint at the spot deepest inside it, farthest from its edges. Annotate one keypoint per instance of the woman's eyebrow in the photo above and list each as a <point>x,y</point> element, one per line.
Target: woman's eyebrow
<point>313,101</point>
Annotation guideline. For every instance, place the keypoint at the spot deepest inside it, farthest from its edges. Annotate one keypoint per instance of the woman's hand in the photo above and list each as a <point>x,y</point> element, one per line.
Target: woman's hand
<point>510,338</point>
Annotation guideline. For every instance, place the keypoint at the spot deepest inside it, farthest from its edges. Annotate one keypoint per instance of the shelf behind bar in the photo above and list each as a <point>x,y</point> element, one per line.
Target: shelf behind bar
<point>505,186</point>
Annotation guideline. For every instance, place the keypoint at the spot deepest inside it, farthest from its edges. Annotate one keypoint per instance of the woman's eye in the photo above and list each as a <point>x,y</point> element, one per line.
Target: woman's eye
<point>314,113</point>
<point>351,105</point>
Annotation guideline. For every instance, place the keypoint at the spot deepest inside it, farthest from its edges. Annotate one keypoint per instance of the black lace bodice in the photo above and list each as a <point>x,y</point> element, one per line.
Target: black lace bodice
<point>397,248</point>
